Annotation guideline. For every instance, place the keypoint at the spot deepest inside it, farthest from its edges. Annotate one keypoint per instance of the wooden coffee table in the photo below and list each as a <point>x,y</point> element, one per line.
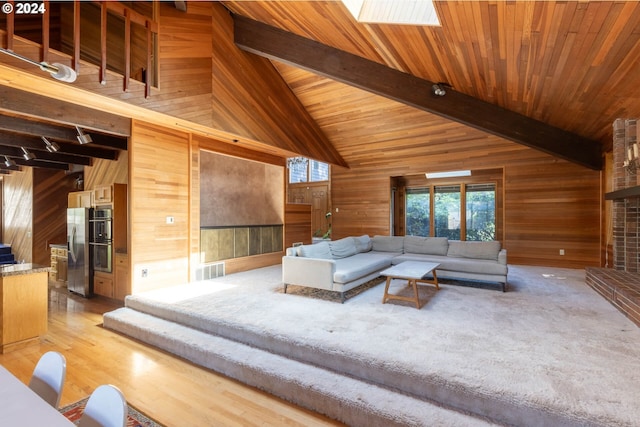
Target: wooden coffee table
<point>414,272</point>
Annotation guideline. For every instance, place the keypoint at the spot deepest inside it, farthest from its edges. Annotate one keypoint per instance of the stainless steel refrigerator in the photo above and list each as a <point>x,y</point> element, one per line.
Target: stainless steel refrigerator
<point>79,275</point>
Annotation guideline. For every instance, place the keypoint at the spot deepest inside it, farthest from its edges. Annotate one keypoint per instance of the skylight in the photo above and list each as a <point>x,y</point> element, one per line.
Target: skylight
<point>449,174</point>
<point>407,12</point>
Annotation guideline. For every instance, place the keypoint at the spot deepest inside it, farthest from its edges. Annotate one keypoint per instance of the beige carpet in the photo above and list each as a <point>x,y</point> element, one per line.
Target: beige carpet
<point>548,352</point>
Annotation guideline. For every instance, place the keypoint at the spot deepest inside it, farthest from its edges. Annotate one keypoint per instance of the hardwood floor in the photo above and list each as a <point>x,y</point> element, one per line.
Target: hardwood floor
<point>171,390</point>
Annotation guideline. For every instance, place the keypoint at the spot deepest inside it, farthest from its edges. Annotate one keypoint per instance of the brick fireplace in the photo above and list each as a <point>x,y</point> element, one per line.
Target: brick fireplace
<point>620,285</point>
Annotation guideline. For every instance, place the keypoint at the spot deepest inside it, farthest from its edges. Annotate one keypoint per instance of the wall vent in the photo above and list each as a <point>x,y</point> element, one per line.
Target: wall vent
<point>210,271</point>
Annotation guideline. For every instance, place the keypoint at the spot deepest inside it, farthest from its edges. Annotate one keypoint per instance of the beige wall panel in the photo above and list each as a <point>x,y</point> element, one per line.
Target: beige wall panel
<point>159,188</point>
<point>237,192</point>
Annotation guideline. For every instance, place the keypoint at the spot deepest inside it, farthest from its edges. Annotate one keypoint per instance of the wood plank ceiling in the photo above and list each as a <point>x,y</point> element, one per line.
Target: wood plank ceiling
<point>571,65</point>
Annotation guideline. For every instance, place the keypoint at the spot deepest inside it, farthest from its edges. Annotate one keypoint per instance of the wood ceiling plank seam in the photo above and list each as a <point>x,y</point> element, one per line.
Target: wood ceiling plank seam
<point>479,82</point>
<point>614,29</point>
<point>496,61</point>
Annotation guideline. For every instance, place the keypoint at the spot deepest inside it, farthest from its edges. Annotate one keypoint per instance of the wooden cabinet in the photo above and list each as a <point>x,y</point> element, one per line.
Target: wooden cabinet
<point>59,263</point>
<point>80,199</point>
<point>23,306</point>
<point>117,283</point>
<point>103,284</point>
<point>103,194</point>
<point>122,286</point>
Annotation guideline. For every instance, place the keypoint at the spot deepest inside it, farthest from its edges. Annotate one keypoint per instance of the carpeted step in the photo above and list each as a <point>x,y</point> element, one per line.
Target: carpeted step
<point>349,400</point>
<point>501,407</point>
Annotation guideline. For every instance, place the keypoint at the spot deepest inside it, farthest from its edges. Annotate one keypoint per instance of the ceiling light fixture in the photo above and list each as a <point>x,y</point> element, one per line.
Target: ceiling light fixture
<point>408,12</point>
<point>28,155</point>
<point>9,162</point>
<point>58,71</point>
<point>52,147</point>
<point>438,89</point>
<point>83,138</point>
<point>450,174</point>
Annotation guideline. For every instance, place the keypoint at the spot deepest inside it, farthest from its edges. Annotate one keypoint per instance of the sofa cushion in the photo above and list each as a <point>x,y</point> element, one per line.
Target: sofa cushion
<point>426,245</point>
<point>317,250</point>
<point>475,250</point>
<point>360,265</point>
<point>363,243</point>
<point>388,243</point>
<point>469,265</point>
<point>343,248</point>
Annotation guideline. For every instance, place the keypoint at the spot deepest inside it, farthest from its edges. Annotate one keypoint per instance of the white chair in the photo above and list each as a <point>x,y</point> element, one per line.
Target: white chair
<point>106,407</point>
<point>48,377</point>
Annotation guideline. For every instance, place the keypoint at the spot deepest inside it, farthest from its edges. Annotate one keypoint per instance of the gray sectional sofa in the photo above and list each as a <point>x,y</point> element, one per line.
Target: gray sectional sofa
<point>343,264</point>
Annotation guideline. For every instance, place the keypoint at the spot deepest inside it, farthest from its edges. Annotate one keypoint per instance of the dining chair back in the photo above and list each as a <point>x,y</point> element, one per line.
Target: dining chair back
<point>106,407</point>
<point>48,377</point>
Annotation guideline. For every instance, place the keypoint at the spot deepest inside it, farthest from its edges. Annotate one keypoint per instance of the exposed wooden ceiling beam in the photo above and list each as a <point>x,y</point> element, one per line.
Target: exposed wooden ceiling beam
<point>44,108</point>
<point>57,132</point>
<point>279,45</point>
<point>9,139</point>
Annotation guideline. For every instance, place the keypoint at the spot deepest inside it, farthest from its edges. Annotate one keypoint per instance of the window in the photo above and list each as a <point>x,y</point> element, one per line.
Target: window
<point>447,208</point>
<point>458,212</point>
<point>304,170</point>
<point>319,171</point>
<point>481,211</point>
<point>418,212</point>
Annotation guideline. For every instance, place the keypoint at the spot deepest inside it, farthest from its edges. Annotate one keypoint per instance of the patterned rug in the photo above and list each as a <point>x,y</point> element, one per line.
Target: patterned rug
<point>135,418</point>
<point>332,296</point>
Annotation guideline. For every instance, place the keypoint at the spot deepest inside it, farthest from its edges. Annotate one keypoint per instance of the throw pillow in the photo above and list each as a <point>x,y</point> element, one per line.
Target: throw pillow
<point>426,245</point>
<point>317,250</point>
<point>388,243</point>
<point>343,248</point>
<point>363,243</point>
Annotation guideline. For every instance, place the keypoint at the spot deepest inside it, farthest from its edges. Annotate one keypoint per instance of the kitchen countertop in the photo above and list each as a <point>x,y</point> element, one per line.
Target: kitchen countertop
<point>25,268</point>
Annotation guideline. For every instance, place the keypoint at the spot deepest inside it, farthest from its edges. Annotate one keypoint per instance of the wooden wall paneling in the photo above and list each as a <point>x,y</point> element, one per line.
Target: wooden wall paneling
<point>160,174</point>
<point>194,207</point>
<point>257,103</point>
<point>107,172</point>
<point>50,191</point>
<point>549,208</point>
<point>17,211</point>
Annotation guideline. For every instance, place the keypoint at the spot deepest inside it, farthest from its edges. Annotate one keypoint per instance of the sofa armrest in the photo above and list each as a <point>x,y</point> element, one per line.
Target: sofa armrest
<point>313,272</point>
<point>502,257</point>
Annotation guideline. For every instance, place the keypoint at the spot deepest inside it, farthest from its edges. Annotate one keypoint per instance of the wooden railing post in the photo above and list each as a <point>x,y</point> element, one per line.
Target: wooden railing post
<point>76,36</point>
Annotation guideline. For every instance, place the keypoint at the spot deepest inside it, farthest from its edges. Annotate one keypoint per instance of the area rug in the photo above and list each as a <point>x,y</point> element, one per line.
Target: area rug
<point>326,295</point>
<point>135,418</point>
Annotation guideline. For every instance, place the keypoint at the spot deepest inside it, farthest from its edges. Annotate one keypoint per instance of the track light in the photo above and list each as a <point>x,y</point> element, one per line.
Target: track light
<point>9,162</point>
<point>28,155</point>
<point>83,138</point>
<point>58,71</point>
<point>52,147</point>
<point>438,89</point>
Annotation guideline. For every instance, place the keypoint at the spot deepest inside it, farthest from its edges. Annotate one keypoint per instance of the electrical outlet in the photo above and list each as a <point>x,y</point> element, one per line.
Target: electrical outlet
<point>561,251</point>
<point>145,272</point>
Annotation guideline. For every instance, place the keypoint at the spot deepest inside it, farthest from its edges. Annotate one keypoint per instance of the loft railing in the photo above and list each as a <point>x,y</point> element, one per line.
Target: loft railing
<point>117,25</point>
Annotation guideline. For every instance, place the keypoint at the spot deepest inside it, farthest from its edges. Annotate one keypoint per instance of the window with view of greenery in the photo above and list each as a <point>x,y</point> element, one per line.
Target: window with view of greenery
<point>479,216</point>
<point>447,207</point>
<point>481,211</point>
<point>417,211</point>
